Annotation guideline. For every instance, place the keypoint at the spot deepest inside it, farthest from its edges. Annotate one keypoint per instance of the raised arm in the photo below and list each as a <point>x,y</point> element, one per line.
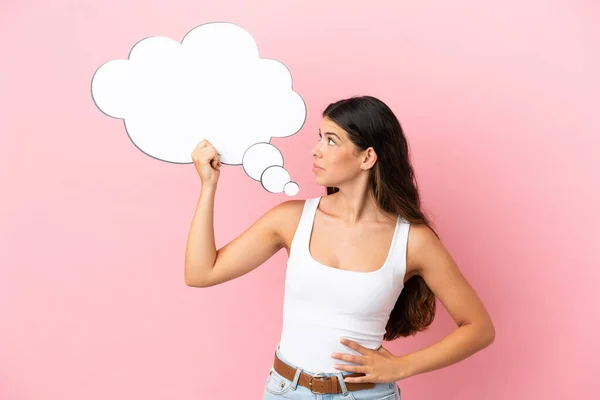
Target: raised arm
<point>205,266</point>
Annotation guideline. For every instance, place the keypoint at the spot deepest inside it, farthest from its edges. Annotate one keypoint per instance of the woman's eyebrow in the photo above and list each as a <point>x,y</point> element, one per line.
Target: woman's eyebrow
<point>331,133</point>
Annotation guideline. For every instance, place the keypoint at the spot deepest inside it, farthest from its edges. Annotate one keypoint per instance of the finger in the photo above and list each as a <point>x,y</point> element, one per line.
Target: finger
<point>355,346</point>
<point>349,368</point>
<point>207,149</point>
<point>210,150</point>
<point>350,357</point>
<point>208,154</point>
<point>358,379</point>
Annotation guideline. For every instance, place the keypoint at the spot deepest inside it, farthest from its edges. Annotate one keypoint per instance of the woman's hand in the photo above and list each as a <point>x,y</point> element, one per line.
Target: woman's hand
<point>206,161</point>
<point>377,365</point>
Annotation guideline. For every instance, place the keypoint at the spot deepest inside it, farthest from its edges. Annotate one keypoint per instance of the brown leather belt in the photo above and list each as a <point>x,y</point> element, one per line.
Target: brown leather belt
<point>319,384</point>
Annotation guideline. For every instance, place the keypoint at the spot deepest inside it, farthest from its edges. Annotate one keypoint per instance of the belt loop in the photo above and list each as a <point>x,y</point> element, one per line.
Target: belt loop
<point>342,384</point>
<point>296,378</point>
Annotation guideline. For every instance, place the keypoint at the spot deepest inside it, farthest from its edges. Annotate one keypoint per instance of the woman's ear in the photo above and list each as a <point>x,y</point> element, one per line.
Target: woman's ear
<point>370,157</point>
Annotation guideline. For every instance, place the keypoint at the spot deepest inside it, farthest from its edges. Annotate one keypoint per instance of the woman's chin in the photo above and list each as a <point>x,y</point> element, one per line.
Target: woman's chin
<point>321,181</point>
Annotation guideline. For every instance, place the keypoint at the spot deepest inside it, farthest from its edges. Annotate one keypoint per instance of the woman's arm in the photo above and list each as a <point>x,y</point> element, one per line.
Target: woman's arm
<point>200,251</point>
<point>205,266</point>
<point>475,329</point>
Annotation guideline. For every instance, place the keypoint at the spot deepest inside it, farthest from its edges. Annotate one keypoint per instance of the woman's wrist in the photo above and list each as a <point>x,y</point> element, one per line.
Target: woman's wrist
<point>404,368</point>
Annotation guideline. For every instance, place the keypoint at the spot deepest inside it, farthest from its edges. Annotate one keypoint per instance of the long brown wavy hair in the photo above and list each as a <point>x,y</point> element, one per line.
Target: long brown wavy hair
<point>370,122</point>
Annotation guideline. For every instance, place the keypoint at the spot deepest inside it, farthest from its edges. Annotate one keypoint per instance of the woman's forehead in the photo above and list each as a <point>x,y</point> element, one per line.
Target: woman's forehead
<point>329,125</point>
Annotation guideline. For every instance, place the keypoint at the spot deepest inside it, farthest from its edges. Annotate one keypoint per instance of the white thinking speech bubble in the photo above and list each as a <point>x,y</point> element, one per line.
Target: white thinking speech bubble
<point>213,85</point>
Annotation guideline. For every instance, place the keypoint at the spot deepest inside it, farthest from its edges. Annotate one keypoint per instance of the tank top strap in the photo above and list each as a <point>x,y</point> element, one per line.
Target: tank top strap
<point>301,237</point>
<point>399,252</point>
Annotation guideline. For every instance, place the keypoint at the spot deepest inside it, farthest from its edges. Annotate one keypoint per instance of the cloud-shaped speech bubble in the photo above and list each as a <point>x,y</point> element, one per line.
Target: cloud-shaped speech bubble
<point>213,85</point>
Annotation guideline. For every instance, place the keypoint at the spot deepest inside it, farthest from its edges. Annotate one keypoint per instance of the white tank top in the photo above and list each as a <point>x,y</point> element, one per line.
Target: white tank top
<point>323,304</point>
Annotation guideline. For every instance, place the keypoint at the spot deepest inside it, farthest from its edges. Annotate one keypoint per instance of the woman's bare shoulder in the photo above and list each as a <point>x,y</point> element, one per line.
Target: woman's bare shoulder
<point>421,241</point>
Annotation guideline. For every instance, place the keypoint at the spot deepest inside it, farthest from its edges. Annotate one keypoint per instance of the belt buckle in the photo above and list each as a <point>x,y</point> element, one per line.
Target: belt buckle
<point>317,375</point>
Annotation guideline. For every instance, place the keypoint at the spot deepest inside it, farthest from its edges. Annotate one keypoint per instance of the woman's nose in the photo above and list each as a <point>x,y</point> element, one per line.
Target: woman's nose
<point>316,151</point>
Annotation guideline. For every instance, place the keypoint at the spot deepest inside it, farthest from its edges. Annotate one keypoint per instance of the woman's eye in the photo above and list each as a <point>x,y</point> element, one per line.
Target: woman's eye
<point>330,140</point>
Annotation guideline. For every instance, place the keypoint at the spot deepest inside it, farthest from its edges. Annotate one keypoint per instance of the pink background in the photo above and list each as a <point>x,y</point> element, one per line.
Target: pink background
<point>500,105</point>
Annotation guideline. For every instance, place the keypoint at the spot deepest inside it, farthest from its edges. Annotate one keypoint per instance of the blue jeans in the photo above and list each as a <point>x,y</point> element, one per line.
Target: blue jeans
<point>277,388</point>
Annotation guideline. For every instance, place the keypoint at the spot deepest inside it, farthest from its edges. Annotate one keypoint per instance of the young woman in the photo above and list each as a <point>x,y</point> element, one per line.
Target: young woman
<point>364,264</point>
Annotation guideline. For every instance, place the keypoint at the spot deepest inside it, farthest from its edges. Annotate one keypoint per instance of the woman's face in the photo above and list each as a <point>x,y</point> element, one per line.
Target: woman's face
<point>336,157</point>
